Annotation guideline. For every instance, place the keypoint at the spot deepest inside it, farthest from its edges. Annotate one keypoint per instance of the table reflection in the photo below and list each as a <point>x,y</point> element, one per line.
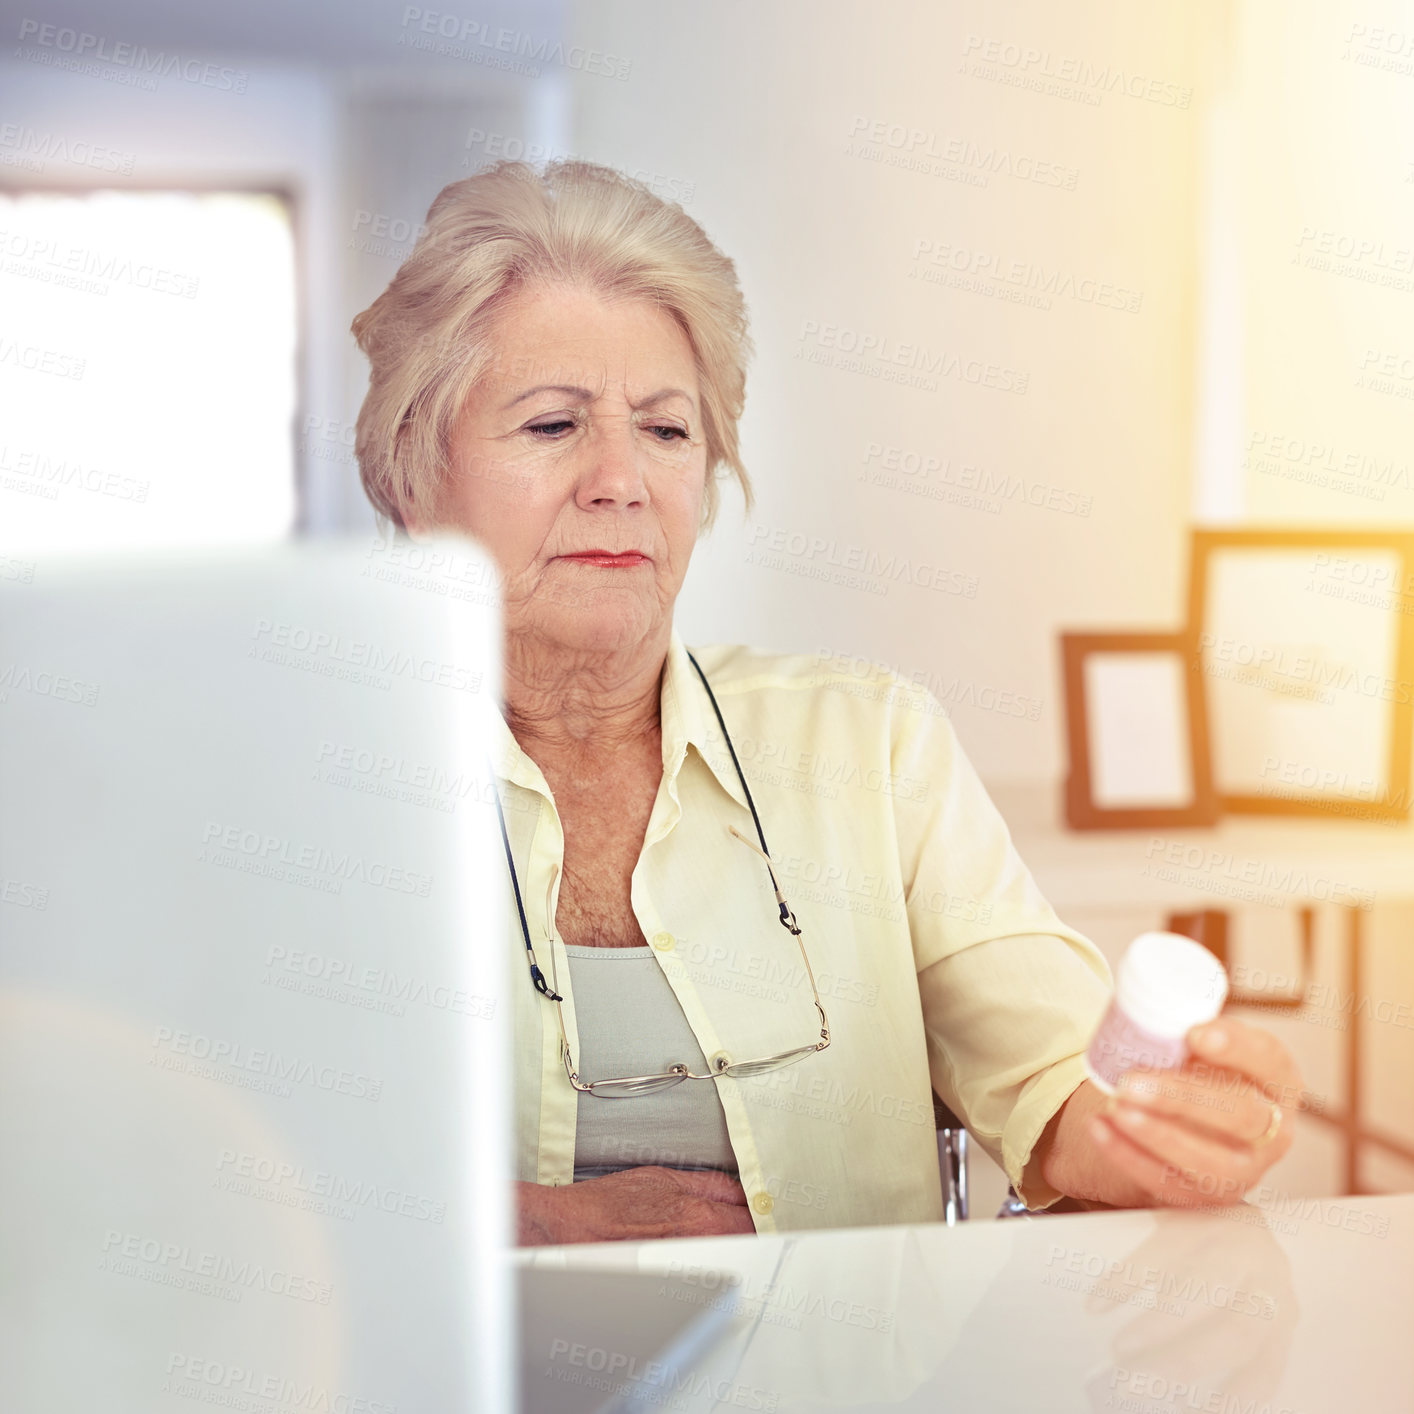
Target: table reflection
<point>1145,1312</point>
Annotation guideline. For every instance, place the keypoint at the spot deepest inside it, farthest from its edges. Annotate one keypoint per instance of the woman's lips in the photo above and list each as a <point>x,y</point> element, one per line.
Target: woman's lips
<point>605,560</point>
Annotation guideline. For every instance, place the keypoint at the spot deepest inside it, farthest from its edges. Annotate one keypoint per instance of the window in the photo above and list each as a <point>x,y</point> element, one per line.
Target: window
<point>1308,359</point>
<point>147,369</point>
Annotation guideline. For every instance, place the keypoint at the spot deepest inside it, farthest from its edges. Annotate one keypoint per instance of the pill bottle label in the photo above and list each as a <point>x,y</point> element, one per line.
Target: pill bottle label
<point>1121,1045</point>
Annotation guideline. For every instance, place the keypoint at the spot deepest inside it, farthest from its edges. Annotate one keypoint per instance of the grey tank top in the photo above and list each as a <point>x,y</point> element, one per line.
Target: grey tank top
<point>630,1023</point>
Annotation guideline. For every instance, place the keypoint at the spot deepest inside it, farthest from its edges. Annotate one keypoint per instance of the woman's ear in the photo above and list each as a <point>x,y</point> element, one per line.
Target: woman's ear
<point>418,523</point>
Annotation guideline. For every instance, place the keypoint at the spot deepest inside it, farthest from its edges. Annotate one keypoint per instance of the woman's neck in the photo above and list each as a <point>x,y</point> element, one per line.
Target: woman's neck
<point>577,708</point>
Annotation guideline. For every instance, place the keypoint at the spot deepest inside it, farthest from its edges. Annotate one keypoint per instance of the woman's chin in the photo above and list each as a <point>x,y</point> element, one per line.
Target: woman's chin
<point>603,627</point>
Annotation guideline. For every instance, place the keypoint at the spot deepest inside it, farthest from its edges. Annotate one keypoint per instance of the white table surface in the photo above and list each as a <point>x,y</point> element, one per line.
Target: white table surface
<point>1303,1308</point>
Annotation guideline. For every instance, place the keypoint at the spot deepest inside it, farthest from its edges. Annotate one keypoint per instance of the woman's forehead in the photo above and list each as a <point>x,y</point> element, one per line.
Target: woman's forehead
<point>582,346</point>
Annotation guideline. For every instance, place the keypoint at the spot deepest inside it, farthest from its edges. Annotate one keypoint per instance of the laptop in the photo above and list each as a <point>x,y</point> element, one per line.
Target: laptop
<point>611,1341</point>
<point>254,1077</point>
<point>255,1088</point>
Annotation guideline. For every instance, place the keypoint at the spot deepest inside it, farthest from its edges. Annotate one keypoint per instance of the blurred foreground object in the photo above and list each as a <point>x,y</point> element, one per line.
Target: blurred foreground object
<point>254,1082</point>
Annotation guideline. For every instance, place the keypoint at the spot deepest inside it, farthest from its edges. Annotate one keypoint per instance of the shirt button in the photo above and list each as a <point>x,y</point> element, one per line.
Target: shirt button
<point>763,1203</point>
<point>664,942</point>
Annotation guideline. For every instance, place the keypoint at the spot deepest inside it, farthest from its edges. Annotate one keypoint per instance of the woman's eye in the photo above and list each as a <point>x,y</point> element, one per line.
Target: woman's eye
<point>667,434</point>
<point>551,431</point>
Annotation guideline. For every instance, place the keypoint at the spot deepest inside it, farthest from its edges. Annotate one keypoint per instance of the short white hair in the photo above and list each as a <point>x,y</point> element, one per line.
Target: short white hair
<point>427,335</point>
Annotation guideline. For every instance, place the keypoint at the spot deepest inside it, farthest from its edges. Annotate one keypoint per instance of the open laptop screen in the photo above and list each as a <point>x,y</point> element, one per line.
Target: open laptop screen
<point>254,1086</point>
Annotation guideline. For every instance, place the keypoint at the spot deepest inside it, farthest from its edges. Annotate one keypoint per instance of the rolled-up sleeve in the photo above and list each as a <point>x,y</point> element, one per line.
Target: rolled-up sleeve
<point>1010,994</point>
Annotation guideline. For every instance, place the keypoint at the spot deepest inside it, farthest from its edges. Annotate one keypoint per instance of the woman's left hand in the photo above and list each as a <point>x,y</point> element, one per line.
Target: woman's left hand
<point>1205,1132</point>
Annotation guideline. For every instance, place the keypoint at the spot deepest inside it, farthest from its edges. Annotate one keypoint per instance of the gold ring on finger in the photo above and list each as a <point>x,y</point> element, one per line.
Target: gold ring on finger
<point>1273,1124</point>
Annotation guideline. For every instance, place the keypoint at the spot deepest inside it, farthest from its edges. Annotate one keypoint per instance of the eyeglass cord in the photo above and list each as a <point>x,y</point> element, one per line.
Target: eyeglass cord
<point>787,917</point>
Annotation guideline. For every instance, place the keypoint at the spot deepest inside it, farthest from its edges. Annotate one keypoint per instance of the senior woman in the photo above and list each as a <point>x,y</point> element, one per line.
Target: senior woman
<point>717,1034</point>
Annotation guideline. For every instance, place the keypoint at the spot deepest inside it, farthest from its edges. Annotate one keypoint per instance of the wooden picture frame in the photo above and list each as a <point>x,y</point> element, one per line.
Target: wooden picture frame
<point>1306,648</point>
<point>1136,727</point>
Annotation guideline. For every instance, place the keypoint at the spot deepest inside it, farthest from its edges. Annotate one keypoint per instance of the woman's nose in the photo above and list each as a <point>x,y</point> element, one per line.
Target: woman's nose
<point>611,469</point>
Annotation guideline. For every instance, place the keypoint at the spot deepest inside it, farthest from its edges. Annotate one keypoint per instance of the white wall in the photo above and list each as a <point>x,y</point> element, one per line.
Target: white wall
<point>757,109</point>
<point>758,117</point>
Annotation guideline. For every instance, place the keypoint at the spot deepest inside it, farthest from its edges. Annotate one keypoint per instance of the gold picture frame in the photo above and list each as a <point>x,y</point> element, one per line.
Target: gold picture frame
<point>1305,642</point>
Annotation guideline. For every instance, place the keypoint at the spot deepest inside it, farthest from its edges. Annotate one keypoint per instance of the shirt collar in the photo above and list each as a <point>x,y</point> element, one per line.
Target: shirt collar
<point>687,720</point>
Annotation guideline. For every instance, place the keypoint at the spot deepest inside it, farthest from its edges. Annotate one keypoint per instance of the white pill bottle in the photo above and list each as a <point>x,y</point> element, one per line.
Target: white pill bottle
<point>1165,983</point>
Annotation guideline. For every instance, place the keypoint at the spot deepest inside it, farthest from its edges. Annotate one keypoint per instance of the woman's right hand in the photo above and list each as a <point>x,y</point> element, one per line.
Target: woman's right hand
<point>632,1205</point>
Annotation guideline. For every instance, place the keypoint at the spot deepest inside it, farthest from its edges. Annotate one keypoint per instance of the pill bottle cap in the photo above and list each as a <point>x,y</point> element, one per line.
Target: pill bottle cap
<point>1167,983</point>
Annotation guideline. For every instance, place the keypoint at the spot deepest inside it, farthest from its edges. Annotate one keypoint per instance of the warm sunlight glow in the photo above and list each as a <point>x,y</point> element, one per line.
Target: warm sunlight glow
<point>147,370</point>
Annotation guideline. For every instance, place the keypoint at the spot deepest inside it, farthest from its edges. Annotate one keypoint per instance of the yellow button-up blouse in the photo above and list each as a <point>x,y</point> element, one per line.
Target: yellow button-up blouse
<point>938,962</point>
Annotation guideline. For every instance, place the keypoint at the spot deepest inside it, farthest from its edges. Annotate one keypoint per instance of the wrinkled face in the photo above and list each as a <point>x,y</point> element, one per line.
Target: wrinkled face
<point>579,462</point>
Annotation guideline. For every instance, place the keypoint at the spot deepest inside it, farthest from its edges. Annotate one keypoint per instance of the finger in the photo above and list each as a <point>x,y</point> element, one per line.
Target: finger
<point>698,1218</point>
<point>1222,1102</point>
<point>711,1185</point>
<point>729,1220</point>
<point>1175,1167</point>
<point>1255,1052</point>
